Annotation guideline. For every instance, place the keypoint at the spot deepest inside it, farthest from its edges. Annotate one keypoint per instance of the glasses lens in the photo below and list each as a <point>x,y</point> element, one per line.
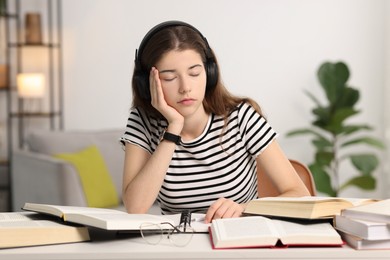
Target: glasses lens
<point>179,237</point>
<point>151,233</point>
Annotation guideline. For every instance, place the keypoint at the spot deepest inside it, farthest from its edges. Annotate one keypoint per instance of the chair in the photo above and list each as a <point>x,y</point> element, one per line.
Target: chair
<point>268,189</point>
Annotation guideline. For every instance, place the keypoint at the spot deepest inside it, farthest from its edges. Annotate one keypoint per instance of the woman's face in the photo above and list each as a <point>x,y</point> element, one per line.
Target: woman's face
<point>183,80</point>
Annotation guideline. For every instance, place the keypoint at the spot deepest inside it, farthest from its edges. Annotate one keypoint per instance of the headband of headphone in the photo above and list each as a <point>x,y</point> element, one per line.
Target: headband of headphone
<point>141,77</point>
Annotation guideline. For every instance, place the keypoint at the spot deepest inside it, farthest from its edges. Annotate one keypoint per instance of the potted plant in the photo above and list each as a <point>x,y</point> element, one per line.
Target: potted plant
<point>333,136</point>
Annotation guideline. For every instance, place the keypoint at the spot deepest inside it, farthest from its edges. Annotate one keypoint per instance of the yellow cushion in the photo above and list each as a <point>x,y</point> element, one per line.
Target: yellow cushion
<point>98,186</point>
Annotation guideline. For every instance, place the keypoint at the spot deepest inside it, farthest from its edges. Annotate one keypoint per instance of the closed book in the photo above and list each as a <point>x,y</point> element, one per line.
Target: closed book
<point>362,228</point>
<point>378,211</point>
<point>33,229</point>
<point>258,231</point>
<point>302,207</point>
<point>364,244</point>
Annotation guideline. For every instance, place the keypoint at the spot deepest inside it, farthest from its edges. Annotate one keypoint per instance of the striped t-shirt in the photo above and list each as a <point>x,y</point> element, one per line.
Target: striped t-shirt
<point>212,165</point>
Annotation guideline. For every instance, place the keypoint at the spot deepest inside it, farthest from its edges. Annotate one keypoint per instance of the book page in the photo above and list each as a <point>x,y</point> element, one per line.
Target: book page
<point>243,232</point>
<point>307,233</point>
<point>246,227</point>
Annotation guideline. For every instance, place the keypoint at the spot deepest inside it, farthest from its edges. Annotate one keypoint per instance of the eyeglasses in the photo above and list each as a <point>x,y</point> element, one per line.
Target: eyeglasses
<point>179,236</point>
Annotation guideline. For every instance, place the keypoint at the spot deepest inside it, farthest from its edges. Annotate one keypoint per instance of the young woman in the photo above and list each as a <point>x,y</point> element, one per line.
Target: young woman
<point>189,143</point>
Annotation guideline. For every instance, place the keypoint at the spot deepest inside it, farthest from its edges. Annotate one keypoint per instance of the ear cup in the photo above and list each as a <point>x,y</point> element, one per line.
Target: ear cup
<point>141,81</point>
<point>212,75</point>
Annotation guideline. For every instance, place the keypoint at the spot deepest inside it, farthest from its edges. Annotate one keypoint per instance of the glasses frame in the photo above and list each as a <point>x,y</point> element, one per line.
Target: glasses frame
<point>168,232</point>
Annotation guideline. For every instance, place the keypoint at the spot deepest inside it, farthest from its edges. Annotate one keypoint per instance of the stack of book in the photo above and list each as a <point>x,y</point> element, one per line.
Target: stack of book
<point>367,226</point>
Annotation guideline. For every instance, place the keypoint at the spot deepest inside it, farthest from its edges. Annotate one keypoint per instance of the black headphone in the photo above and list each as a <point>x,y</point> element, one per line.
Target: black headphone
<point>141,76</point>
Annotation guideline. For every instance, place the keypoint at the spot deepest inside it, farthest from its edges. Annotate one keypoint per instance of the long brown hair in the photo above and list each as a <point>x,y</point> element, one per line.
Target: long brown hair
<point>219,101</point>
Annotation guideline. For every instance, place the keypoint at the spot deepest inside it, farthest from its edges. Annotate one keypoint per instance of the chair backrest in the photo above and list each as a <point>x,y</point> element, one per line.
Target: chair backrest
<point>267,188</point>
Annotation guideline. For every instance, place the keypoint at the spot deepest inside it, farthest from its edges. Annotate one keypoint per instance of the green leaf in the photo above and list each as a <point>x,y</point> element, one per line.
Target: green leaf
<point>334,122</point>
<point>333,77</point>
<point>324,158</point>
<point>347,98</point>
<point>349,129</point>
<point>323,116</point>
<point>322,180</point>
<point>341,114</point>
<point>322,144</point>
<point>365,140</point>
<point>366,182</point>
<point>365,163</point>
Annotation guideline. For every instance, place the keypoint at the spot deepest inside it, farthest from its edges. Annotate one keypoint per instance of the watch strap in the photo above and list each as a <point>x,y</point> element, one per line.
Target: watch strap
<point>172,138</point>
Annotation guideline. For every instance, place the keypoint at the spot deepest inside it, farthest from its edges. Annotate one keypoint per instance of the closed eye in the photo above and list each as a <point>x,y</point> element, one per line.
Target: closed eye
<point>169,79</point>
<point>195,70</point>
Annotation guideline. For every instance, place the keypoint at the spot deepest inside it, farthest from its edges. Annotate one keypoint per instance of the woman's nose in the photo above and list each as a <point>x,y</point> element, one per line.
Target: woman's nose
<point>184,86</point>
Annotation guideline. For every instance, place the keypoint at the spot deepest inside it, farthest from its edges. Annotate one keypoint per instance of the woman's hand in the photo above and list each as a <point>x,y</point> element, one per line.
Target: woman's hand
<point>158,101</point>
<point>224,208</point>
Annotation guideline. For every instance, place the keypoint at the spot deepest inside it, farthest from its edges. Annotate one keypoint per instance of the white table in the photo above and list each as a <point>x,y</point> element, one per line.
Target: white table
<point>199,248</point>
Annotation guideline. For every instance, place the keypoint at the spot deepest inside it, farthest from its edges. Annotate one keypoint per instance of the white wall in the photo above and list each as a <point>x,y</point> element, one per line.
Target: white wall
<point>386,98</point>
<point>268,49</point>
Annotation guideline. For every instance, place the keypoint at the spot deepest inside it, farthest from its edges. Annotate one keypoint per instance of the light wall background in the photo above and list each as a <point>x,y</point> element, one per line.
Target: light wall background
<point>267,49</point>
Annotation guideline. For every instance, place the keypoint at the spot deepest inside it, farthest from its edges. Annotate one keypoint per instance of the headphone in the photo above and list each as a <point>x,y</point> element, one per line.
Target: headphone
<point>141,76</point>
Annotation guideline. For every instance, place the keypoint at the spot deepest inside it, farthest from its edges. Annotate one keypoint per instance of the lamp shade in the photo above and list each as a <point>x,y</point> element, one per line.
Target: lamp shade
<point>31,85</point>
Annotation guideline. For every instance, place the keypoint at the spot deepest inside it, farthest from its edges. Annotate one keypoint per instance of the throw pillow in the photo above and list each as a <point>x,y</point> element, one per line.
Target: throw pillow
<point>97,183</point>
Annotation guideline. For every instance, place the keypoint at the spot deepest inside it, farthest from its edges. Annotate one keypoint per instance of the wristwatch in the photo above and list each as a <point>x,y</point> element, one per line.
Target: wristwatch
<point>171,137</point>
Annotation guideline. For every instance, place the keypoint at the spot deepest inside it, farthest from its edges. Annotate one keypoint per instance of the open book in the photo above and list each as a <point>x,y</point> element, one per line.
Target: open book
<point>111,219</point>
<point>32,229</point>
<point>257,231</point>
<point>302,207</point>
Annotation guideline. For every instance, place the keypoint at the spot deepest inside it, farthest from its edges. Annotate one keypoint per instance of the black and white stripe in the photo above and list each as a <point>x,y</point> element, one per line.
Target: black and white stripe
<point>211,166</point>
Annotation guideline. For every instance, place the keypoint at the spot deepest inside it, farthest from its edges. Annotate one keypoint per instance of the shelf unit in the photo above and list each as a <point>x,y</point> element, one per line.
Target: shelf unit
<point>18,118</point>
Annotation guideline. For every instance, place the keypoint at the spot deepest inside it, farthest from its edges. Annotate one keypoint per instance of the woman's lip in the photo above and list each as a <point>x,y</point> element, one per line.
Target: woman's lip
<point>187,101</point>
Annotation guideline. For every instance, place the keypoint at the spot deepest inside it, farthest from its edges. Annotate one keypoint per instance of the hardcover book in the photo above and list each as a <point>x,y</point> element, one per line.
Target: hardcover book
<point>362,228</point>
<point>32,229</point>
<point>378,211</point>
<point>364,244</point>
<point>302,207</point>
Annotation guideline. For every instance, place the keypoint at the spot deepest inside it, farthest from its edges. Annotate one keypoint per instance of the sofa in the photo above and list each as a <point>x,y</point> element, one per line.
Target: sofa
<point>75,168</point>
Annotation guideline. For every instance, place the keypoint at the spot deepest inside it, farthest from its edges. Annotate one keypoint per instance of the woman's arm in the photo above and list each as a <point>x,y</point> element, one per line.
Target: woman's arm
<point>143,175</point>
<point>278,168</point>
<point>280,171</point>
